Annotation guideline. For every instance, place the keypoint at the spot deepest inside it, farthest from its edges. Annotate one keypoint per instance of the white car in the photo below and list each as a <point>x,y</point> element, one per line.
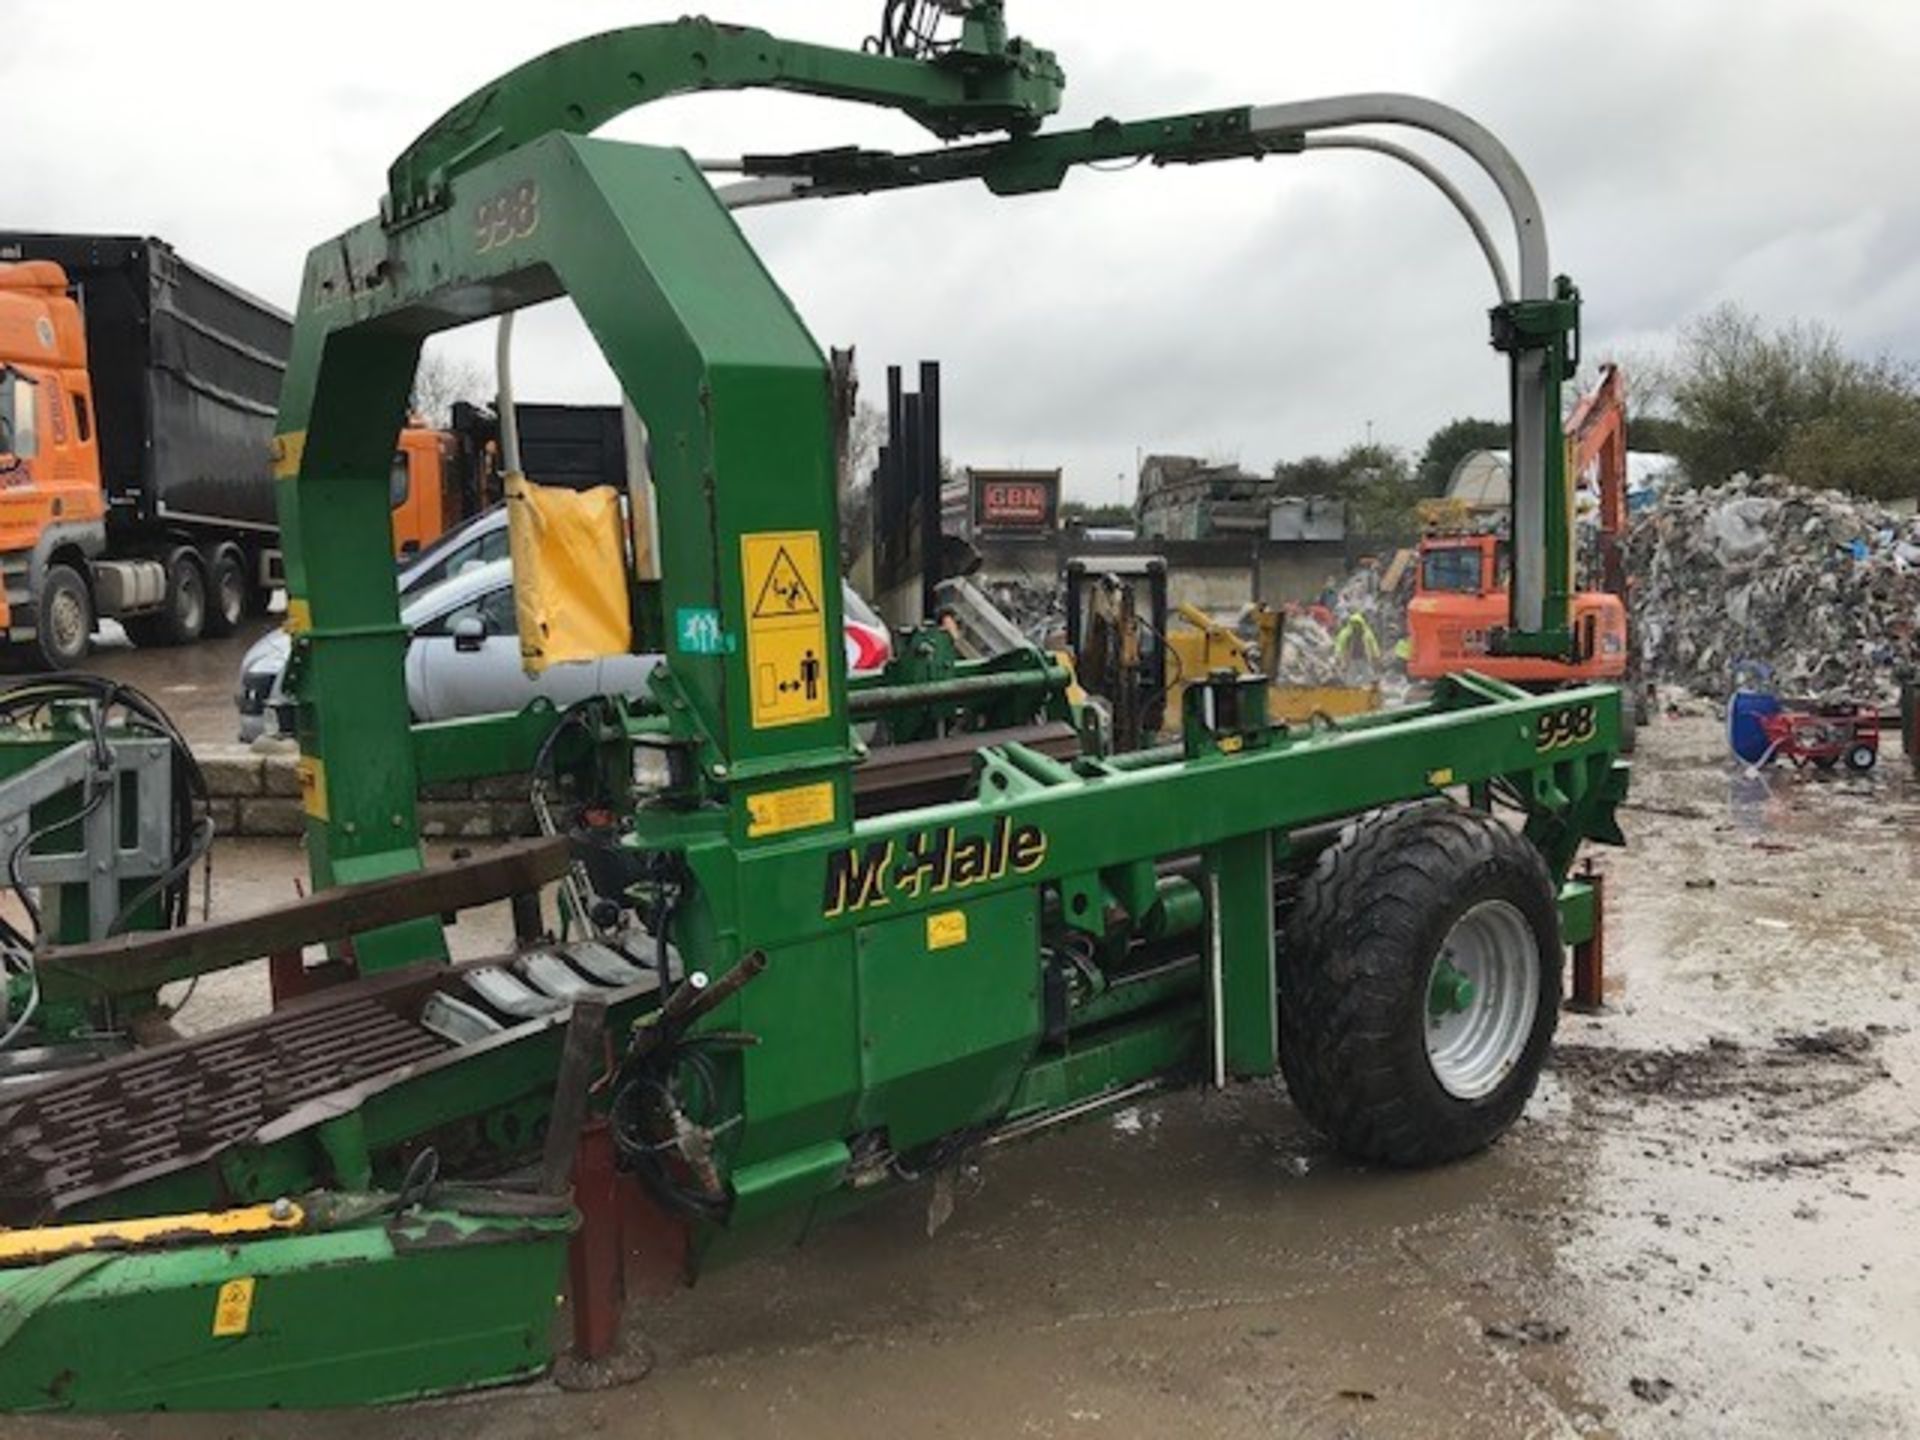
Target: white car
<point>469,544</point>
<point>463,657</point>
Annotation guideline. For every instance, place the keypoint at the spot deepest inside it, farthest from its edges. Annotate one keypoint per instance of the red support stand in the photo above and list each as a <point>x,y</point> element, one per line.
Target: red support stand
<point>595,1270</point>
<point>627,1246</point>
<point>656,1244</point>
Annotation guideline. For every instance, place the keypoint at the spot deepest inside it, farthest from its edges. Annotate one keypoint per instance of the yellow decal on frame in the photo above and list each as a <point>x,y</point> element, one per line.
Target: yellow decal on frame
<point>788,663</point>
<point>946,929</point>
<point>312,773</point>
<point>774,812</point>
<point>233,1308</point>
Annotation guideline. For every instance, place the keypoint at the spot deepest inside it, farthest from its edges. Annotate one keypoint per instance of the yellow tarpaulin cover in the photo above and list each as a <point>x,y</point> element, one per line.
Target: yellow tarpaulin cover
<point>569,573</point>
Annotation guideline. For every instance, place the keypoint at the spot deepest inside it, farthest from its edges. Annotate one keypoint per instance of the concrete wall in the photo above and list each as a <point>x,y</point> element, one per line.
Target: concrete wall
<point>1210,587</point>
<point>256,793</point>
<point>1216,574</point>
<point>1296,573</point>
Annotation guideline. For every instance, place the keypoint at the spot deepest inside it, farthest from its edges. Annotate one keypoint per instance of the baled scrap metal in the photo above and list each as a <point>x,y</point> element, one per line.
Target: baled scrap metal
<point>1822,586</point>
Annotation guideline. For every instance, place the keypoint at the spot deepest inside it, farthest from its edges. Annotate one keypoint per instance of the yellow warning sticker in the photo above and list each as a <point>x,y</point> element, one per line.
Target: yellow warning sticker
<point>946,929</point>
<point>299,617</point>
<point>313,785</point>
<point>233,1307</point>
<point>787,656</point>
<point>286,453</point>
<point>773,812</point>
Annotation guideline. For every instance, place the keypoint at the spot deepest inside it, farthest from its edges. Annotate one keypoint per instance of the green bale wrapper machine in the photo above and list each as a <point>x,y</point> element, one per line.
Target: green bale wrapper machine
<point>842,930</point>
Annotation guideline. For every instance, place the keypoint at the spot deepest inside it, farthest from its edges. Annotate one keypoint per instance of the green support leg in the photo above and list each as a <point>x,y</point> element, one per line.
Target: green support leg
<point>358,774</point>
<point>1243,1027</point>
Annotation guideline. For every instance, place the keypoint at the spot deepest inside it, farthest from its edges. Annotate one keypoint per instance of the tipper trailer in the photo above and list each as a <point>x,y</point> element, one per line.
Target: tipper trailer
<point>137,396</point>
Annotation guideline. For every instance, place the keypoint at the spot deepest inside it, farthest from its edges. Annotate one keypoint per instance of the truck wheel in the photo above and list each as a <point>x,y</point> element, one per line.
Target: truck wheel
<point>65,627</point>
<point>226,592</point>
<point>1419,984</point>
<point>183,616</point>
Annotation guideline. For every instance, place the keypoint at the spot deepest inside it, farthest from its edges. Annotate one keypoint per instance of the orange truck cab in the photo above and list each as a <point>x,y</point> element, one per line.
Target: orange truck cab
<point>50,497</point>
<point>137,399</point>
<point>1460,599</point>
<point>426,491</point>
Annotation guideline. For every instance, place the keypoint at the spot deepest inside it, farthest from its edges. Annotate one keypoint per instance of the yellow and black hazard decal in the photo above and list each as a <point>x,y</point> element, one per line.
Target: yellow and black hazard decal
<point>788,663</point>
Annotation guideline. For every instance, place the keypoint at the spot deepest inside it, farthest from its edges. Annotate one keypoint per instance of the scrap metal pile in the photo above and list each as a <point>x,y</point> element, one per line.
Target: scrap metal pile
<point>1380,594</point>
<point>1823,587</point>
<point>1038,607</point>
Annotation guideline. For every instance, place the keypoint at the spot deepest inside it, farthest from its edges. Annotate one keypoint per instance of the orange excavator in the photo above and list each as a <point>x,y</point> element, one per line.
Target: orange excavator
<point>1460,587</point>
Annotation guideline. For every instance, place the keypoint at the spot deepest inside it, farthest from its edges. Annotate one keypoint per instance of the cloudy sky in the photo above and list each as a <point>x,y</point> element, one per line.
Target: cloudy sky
<point>1686,152</point>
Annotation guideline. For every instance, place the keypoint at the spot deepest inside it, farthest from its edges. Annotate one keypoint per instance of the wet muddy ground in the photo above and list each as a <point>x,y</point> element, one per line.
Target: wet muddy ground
<point>194,684</point>
<point>1702,1227</point>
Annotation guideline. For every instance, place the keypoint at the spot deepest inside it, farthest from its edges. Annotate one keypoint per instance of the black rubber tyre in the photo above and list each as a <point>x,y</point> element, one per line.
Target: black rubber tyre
<point>1862,758</point>
<point>226,592</point>
<point>1629,723</point>
<point>64,627</point>
<point>1825,762</point>
<point>183,618</point>
<point>1356,964</point>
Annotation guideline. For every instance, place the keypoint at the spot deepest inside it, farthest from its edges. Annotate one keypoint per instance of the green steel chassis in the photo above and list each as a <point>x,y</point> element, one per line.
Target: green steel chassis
<point>897,1004</point>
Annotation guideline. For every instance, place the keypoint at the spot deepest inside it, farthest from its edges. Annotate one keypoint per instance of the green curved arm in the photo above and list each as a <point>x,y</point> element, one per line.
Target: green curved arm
<point>982,85</point>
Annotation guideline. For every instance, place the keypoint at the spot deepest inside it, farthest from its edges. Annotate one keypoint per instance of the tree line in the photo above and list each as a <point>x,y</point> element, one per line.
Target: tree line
<point>1736,394</point>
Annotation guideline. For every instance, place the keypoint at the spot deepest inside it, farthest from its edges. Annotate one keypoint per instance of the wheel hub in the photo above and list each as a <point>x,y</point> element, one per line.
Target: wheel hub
<point>1451,992</point>
<point>1483,996</point>
<point>64,618</point>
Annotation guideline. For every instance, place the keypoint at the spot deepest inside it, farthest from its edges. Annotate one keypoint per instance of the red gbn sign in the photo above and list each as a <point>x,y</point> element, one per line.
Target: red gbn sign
<point>1027,504</point>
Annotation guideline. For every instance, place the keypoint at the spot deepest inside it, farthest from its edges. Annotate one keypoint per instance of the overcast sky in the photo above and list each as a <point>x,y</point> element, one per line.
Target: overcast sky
<point>1686,152</point>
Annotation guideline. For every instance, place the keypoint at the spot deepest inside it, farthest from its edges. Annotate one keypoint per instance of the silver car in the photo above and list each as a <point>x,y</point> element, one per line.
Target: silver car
<point>463,658</point>
<point>463,655</point>
<point>468,545</point>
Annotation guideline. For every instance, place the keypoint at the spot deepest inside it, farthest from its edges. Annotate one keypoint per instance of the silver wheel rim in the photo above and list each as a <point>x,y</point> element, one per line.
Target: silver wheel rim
<point>193,605</point>
<point>1483,995</point>
<point>67,619</point>
<point>233,597</point>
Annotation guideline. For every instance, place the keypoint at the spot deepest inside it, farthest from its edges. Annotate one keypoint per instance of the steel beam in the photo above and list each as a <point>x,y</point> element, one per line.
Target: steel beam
<point>124,964</point>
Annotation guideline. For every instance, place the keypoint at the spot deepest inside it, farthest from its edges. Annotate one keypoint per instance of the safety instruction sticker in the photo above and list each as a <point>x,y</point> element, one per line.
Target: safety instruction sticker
<point>946,929</point>
<point>697,631</point>
<point>787,651</point>
<point>799,807</point>
<point>233,1308</point>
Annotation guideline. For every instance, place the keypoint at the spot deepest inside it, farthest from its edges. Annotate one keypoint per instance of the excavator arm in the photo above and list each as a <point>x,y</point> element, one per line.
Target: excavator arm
<point>1597,435</point>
